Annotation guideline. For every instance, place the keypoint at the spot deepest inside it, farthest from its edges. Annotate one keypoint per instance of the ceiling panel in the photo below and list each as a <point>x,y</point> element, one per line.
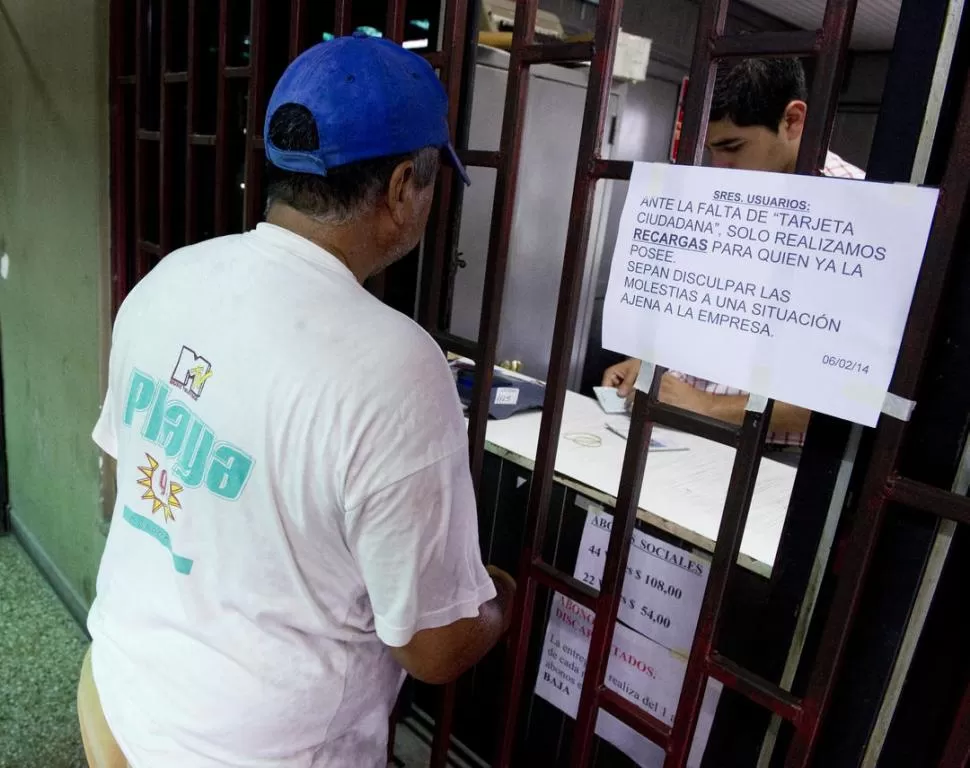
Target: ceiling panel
<point>875,20</point>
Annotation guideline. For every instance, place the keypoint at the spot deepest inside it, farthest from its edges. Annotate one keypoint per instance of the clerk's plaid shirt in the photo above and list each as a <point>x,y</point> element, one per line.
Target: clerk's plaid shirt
<point>834,166</point>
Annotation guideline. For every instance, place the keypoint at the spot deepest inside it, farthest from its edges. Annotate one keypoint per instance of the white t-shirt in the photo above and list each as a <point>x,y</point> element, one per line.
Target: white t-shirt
<point>293,497</point>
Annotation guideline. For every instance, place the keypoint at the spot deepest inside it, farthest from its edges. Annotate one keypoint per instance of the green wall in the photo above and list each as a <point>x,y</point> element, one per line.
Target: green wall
<point>53,303</point>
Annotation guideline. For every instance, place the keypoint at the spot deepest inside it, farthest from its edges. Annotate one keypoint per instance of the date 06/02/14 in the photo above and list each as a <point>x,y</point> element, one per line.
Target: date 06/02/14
<point>845,364</point>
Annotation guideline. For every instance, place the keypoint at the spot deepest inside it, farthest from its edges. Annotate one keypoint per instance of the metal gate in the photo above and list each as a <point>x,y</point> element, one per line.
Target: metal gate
<point>151,127</point>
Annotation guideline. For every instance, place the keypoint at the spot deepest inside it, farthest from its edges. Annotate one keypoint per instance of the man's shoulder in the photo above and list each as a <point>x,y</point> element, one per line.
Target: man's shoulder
<point>838,168</point>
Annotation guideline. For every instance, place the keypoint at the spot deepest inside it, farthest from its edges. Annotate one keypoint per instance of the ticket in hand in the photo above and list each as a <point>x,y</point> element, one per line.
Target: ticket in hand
<point>609,400</point>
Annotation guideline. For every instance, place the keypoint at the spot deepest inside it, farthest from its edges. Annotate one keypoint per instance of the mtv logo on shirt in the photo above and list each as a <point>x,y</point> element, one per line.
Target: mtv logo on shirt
<point>191,373</point>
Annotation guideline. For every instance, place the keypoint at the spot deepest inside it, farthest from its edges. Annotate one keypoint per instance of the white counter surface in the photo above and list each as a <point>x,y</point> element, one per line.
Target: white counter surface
<point>683,491</point>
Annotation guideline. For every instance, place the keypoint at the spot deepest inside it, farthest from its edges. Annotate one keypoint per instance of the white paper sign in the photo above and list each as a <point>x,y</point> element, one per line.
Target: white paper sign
<point>788,286</point>
<point>639,669</point>
<point>663,587</point>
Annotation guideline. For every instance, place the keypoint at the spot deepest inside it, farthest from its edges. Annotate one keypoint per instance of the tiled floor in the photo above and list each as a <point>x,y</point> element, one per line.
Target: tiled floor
<point>41,648</point>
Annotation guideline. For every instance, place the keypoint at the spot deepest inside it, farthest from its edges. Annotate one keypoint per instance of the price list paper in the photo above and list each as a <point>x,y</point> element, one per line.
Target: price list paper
<point>661,599</point>
<point>663,587</point>
<point>639,669</point>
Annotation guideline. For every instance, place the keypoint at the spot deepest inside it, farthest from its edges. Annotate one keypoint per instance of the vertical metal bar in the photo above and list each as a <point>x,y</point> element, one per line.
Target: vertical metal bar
<point>297,27</point>
<point>836,31</point>
<point>191,66</point>
<point>453,46</point>
<point>252,205</point>
<point>862,538</point>
<point>710,26</point>
<point>501,230</point>
<point>443,725</point>
<point>139,144</point>
<point>458,44</point>
<point>342,20</point>
<point>394,21</point>
<point>740,491</point>
<point>956,754</point>
<point>222,125</point>
<point>121,134</point>
<point>577,241</point>
<point>607,605</point>
<point>164,140</point>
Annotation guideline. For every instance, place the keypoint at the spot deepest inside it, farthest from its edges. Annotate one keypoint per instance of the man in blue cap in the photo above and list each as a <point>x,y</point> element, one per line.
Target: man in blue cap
<point>295,525</point>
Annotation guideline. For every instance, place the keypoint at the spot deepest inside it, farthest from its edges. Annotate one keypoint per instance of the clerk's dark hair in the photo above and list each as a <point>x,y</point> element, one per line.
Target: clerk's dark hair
<point>757,91</point>
<point>346,189</point>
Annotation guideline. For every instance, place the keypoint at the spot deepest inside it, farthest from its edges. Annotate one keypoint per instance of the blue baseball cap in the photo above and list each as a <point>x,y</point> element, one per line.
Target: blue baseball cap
<point>369,97</point>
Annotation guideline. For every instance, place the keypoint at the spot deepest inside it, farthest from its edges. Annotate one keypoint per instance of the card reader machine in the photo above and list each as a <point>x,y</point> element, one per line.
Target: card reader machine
<point>511,393</point>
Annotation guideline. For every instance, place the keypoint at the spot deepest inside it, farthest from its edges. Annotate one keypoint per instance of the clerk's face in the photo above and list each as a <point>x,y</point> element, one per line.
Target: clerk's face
<point>755,147</point>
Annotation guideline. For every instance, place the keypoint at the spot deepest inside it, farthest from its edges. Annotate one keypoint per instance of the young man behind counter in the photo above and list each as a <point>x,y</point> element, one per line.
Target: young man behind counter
<point>291,533</point>
<point>756,122</point>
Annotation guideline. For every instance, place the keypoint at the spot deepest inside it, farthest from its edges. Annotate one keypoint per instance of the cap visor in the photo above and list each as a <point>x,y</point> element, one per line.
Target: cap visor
<point>456,163</point>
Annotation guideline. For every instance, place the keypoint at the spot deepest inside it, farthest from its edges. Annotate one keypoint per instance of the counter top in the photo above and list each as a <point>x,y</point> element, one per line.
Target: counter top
<point>683,490</point>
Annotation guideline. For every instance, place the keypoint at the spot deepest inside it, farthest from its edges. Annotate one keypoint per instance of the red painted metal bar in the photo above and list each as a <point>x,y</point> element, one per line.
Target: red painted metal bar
<point>577,240</point>
<point>457,344</point>
<point>755,687</point>
<point>298,15</point>
<point>166,194</point>
<point>557,53</point>
<point>202,139</point>
<point>121,135</point>
<point>826,85</point>
<point>237,73</point>
<point>342,17</point>
<point>860,545</point>
<point>747,461</point>
<point>929,499</point>
<point>710,28</point>
<point>192,70</point>
<point>437,59</point>
<point>444,222</point>
<point>443,726</point>
<point>394,21</point>
<point>139,148</point>
<point>572,588</point>
<point>613,169</point>
<point>501,231</point>
<point>222,126</point>
<point>614,570</point>
<point>450,71</point>
<point>258,97</point>
<point>799,42</point>
<point>170,78</point>
<point>956,754</point>
<point>634,716</point>
<point>703,426</point>
<point>481,158</point>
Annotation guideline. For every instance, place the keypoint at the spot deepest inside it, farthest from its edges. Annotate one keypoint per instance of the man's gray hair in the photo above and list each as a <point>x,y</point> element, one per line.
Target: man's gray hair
<point>347,190</point>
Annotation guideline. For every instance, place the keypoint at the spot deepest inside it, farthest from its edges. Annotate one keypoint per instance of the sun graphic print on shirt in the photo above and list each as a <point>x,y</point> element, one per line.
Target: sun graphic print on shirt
<point>159,489</point>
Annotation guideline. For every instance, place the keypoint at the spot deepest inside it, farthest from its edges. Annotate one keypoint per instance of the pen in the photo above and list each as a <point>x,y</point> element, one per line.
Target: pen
<point>615,431</point>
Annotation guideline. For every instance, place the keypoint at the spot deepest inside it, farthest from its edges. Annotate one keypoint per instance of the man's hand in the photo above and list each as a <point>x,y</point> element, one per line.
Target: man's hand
<point>503,583</point>
<point>622,376</point>
<point>443,654</point>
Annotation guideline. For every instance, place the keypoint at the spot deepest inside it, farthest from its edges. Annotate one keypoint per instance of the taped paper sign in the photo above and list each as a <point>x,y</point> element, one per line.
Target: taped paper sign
<point>793,287</point>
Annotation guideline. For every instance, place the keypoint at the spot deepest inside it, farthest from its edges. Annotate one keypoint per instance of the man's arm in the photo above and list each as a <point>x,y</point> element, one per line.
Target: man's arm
<point>438,656</point>
<point>730,408</point>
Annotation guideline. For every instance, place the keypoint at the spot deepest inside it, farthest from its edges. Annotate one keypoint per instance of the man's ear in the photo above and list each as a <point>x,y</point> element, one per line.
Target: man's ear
<point>793,120</point>
<point>399,191</point>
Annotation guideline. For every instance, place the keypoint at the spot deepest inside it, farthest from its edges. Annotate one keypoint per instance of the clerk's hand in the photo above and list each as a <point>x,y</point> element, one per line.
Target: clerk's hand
<point>622,376</point>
